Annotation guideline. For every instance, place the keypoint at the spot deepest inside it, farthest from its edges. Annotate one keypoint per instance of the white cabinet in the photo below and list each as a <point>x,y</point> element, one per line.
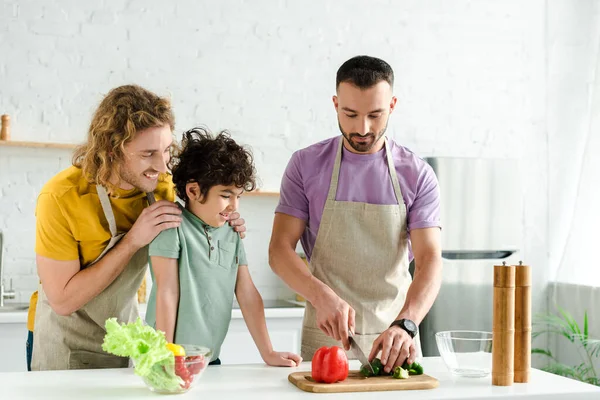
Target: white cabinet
<point>284,325</point>
<point>239,348</point>
<point>12,347</point>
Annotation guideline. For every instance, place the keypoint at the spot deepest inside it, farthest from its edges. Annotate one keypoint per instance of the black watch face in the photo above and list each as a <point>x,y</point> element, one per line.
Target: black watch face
<point>410,325</point>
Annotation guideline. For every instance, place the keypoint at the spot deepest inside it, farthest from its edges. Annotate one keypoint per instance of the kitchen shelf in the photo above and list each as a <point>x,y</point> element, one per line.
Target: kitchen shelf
<point>261,193</point>
<point>46,145</point>
<point>50,145</point>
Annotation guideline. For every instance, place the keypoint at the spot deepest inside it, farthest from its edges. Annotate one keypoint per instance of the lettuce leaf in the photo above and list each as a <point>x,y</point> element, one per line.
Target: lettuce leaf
<point>147,348</point>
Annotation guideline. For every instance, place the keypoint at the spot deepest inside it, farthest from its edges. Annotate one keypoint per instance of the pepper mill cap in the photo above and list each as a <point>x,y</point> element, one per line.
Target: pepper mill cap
<point>522,275</point>
<point>504,275</point>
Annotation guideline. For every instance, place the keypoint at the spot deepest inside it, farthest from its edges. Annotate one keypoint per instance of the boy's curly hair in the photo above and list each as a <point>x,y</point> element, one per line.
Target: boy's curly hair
<point>211,161</point>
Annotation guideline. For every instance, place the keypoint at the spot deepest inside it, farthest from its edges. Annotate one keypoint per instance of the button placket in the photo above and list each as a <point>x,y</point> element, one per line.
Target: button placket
<point>211,248</point>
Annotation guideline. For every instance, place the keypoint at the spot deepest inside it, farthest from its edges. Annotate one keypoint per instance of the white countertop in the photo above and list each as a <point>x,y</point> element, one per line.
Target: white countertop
<point>260,382</point>
<point>273,309</point>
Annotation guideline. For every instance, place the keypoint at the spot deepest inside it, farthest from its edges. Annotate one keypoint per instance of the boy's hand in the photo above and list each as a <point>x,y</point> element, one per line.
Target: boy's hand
<point>238,224</point>
<point>283,359</point>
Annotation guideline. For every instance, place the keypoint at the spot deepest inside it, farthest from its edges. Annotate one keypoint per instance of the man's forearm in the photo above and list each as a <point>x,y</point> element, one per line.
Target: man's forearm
<point>293,271</point>
<point>91,281</point>
<point>423,290</point>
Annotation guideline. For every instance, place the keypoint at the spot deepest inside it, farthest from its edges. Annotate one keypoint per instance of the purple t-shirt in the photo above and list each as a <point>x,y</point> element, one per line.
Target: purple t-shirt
<point>363,178</point>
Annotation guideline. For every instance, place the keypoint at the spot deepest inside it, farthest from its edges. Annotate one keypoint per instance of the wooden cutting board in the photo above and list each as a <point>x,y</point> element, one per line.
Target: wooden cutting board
<point>358,383</point>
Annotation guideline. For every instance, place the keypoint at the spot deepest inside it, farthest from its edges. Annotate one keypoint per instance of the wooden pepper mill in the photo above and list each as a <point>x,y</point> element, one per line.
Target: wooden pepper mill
<point>522,322</point>
<point>503,329</point>
<point>5,132</point>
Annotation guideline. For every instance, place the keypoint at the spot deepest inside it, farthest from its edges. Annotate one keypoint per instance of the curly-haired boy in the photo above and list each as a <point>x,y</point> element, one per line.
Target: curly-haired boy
<point>197,267</point>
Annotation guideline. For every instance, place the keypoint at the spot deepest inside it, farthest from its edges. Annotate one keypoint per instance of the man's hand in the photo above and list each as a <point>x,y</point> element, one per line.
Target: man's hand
<point>396,346</point>
<point>153,220</point>
<point>335,317</point>
<point>238,224</point>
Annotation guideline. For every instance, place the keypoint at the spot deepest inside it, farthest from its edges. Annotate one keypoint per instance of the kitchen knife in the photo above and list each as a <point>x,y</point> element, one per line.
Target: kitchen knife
<point>359,353</point>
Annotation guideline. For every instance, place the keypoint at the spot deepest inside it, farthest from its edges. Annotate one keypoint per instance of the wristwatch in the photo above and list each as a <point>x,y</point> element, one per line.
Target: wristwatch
<point>409,326</point>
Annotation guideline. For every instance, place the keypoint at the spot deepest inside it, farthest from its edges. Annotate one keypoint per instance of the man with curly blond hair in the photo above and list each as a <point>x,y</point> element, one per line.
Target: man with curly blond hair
<point>94,221</point>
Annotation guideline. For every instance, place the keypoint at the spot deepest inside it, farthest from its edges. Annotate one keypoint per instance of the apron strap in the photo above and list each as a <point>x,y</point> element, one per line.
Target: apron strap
<point>336,172</point>
<point>108,212</point>
<point>112,225</point>
<point>393,173</point>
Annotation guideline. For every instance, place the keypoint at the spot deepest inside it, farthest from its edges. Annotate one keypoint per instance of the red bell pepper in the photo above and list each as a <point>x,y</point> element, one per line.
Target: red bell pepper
<point>329,365</point>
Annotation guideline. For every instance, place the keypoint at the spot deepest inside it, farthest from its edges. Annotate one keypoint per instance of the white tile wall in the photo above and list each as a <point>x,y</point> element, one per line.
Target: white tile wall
<point>470,81</point>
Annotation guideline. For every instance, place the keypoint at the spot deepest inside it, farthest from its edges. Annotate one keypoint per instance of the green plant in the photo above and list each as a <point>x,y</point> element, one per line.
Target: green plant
<point>564,325</point>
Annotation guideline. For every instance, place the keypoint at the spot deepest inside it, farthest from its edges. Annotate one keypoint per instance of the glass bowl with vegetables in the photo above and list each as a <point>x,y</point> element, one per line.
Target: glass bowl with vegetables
<point>466,353</point>
<point>164,367</point>
<point>190,361</point>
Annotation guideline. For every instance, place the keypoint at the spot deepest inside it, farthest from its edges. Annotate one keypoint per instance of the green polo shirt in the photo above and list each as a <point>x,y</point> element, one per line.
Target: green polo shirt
<point>208,261</point>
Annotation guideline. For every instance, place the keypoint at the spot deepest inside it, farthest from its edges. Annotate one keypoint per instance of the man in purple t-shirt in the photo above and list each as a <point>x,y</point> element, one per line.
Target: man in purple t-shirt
<point>363,207</point>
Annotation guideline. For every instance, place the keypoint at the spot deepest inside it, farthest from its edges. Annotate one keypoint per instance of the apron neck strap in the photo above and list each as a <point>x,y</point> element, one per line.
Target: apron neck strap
<point>335,176</point>
<point>336,172</point>
<point>108,212</point>
<point>393,173</point>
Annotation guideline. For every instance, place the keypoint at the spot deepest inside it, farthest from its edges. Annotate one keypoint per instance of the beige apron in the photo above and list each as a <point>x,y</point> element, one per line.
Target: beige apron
<point>74,341</point>
<point>361,253</point>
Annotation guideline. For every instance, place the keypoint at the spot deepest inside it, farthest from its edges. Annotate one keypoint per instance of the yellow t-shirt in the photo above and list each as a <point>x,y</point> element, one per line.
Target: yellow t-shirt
<point>70,223</point>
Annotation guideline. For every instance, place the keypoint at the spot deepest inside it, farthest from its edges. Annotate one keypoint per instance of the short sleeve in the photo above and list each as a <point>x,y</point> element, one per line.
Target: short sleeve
<point>53,234</point>
<point>292,197</point>
<point>425,209</point>
<point>166,244</point>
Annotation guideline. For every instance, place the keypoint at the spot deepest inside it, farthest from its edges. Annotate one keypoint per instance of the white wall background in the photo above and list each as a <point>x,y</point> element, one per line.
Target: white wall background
<point>574,139</point>
<point>574,167</point>
<point>471,81</point>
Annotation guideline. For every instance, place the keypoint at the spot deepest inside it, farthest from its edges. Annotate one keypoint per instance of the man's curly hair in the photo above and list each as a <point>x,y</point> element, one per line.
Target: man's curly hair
<point>211,161</point>
<point>124,111</point>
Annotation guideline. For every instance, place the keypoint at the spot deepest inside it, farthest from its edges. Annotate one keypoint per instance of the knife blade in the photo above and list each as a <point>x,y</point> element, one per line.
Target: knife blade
<point>359,353</point>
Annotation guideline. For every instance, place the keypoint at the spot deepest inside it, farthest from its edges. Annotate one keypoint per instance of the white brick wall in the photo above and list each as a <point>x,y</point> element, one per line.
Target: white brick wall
<point>470,81</point>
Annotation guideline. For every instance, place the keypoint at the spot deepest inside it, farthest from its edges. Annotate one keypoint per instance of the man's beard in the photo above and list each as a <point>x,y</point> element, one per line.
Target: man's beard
<point>367,145</point>
<point>138,181</point>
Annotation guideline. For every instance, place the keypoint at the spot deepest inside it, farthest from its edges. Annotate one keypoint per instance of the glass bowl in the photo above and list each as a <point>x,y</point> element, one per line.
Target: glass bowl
<point>182,375</point>
<point>466,353</point>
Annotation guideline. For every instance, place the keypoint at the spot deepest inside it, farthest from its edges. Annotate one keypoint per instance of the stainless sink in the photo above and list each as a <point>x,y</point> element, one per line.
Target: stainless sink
<point>12,307</point>
<point>4,293</point>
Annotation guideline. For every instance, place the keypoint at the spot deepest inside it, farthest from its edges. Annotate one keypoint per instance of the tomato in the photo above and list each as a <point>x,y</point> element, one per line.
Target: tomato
<point>182,371</point>
<point>187,367</point>
<point>329,365</point>
<point>196,363</point>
